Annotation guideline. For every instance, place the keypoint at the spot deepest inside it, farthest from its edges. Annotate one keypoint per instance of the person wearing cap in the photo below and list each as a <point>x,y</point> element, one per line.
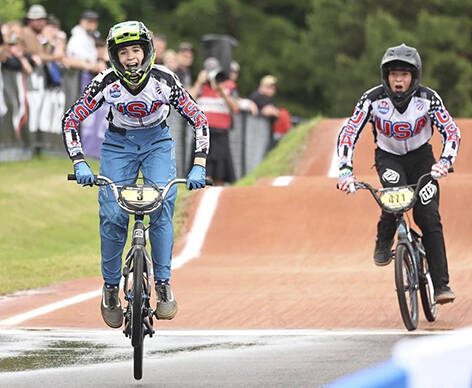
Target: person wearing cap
<point>81,48</point>
<point>403,114</point>
<point>35,44</point>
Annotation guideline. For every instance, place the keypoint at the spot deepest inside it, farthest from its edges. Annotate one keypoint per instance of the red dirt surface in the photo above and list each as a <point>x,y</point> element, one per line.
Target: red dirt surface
<point>298,256</point>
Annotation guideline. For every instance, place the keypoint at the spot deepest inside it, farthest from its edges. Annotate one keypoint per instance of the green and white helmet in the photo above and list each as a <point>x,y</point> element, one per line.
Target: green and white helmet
<point>126,34</point>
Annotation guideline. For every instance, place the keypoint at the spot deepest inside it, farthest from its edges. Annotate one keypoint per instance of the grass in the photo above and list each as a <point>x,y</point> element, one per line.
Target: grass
<point>49,230</point>
<point>49,227</point>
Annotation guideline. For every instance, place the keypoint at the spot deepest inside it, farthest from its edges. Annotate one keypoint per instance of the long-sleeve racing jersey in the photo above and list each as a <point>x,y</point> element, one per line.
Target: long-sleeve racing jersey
<point>399,133</point>
<point>145,107</point>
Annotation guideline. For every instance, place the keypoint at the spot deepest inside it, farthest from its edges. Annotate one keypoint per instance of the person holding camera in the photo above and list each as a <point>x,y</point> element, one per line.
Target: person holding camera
<point>218,98</point>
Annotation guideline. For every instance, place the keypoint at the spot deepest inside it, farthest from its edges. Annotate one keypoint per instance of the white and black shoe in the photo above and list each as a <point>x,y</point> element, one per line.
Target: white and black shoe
<point>112,313</point>
<point>166,303</point>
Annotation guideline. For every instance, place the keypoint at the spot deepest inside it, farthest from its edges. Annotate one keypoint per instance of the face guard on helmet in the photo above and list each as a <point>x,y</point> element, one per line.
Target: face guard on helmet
<point>406,58</point>
<point>126,34</point>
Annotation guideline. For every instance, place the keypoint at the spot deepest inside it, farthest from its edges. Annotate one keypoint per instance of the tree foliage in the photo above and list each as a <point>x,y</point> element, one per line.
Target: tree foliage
<point>325,53</point>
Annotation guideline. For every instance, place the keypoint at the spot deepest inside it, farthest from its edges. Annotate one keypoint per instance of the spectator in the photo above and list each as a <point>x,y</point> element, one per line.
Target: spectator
<point>102,52</point>
<point>185,56</point>
<point>55,42</point>
<point>279,117</point>
<point>264,97</point>
<point>81,49</point>
<point>34,41</point>
<point>245,104</point>
<point>14,56</point>
<point>170,60</point>
<point>160,45</point>
<point>218,99</point>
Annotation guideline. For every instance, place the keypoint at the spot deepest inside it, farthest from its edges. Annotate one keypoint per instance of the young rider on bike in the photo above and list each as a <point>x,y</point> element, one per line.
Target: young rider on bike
<point>139,95</point>
<point>402,113</point>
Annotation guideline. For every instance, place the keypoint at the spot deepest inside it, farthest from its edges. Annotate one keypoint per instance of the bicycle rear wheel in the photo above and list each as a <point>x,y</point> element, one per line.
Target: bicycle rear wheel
<point>430,308</point>
<point>406,284</point>
<point>137,332</point>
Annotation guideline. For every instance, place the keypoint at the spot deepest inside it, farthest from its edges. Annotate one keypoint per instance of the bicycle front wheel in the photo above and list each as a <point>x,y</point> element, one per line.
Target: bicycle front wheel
<point>137,332</point>
<point>430,308</point>
<point>406,283</point>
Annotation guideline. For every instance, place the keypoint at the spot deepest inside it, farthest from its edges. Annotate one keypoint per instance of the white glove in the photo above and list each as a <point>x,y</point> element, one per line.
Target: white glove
<point>439,169</point>
<point>346,180</point>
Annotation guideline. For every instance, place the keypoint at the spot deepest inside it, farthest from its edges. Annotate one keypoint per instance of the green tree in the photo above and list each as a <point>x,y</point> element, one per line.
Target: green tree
<point>11,10</point>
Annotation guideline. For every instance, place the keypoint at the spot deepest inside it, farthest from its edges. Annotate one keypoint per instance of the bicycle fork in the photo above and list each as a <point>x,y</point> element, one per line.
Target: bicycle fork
<point>138,242</point>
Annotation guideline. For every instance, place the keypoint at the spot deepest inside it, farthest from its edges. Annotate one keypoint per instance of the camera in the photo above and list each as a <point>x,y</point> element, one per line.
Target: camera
<point>217,49</point>
<point>214,70</point>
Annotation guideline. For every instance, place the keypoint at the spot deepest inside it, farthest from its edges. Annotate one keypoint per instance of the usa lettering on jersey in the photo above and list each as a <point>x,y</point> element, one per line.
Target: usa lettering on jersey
<point>395,132</point>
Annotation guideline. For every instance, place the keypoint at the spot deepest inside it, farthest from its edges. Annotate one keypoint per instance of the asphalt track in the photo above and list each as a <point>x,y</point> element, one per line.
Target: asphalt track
<point>296,256</point>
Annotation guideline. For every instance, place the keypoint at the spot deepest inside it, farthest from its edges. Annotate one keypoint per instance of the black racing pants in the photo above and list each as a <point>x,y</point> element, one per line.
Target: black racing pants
<point>395,170</point>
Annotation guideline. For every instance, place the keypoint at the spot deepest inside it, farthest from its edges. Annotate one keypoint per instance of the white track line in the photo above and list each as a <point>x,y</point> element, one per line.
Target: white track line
<point>192,248</point>
<point>201,223</point>
<point>16,319</point>
<point>282,181</point>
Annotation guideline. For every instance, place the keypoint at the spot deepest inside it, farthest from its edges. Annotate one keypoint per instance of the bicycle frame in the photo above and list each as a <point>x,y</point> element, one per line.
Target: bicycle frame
<point>397,201</point>
<point>138,200</point>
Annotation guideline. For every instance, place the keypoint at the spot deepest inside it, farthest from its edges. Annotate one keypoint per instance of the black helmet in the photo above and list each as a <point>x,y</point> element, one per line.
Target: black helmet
<point>401,57</point>
<point>126,34</point>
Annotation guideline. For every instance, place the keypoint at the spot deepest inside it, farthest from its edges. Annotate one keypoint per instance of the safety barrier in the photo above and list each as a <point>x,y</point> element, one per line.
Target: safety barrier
<point>434,361</point>
<point>32,124</point>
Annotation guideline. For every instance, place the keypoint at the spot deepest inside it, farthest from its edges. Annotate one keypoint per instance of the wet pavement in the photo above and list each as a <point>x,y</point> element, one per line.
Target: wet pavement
<point>197,358</point>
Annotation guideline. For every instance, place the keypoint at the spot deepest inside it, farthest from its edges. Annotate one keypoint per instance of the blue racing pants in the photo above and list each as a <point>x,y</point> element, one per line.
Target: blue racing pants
<point>151,151</point>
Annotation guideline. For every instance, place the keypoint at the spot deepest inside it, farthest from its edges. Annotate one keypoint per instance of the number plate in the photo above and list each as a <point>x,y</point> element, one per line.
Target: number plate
<point>396,198</point>
<point>137,195</point>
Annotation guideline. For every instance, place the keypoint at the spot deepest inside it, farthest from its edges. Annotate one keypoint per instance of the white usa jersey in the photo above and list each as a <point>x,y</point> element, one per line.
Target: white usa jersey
<point>145,107</point>
<point>399,133</point>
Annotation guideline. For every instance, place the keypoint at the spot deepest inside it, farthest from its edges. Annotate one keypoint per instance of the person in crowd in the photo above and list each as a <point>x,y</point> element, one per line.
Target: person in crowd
<point>81,49</point>
<point>245,104</point>
<point>403,113</point>
<point>139,95</point>
<point>279,117</point>
<point>102,52</point>
<point>14,55</point>
<point>185,57</point>
<point>34,41</point>
<point>55,41</point>
<point>170,59</point>
<point>264,97</point>
<point>160,44</point>
<point>218,98</point>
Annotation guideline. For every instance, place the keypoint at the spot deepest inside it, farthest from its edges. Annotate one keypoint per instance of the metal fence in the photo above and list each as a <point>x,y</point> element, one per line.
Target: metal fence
<point>32,124</point>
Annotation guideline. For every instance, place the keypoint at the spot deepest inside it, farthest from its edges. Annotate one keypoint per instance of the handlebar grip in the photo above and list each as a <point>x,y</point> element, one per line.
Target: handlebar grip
<point>209,181</point>
<point>71,177</point>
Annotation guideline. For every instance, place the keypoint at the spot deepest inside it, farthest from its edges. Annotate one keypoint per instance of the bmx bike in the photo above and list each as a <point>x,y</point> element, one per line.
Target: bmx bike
<point>137,199</point>
<point>411,266</point>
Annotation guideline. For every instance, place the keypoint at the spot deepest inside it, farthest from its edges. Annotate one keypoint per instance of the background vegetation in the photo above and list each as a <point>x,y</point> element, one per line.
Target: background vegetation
<point>324,52</point>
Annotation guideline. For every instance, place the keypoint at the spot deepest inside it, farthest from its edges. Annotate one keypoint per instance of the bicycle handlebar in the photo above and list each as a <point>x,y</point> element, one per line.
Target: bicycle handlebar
<point>100,180</point>
<point>374,192</point>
